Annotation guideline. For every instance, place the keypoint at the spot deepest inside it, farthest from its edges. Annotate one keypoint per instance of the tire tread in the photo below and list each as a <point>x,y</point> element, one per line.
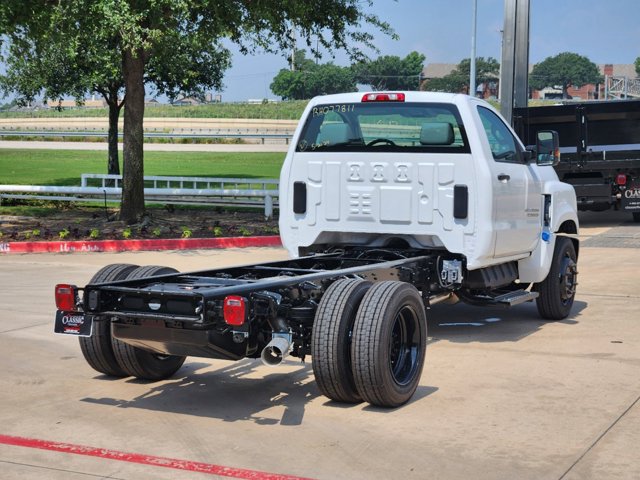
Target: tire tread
<point>97,349</point>
<point>138,362</point>
<point>329,348</point>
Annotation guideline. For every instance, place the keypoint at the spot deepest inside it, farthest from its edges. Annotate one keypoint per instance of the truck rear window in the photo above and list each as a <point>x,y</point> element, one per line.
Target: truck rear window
<point>388,127</point>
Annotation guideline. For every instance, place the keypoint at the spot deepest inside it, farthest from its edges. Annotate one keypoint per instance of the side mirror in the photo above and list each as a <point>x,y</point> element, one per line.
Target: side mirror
<point>547,148</point>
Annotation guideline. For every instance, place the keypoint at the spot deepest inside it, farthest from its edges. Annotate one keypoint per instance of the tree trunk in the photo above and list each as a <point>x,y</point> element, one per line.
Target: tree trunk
<point>132,207</point>
<point>114,114</point>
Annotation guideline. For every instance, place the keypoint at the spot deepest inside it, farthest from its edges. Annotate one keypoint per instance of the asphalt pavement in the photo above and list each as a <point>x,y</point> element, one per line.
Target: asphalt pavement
<point>504,395</point>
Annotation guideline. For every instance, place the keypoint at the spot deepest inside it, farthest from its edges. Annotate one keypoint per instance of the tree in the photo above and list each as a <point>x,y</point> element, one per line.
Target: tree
<point>153,32</point>
<point>638,66</point>
<point>67,63</point>
<point>391,72</point>
<point>458,80</point>
<point>309,79</point>
<point>564,70</point>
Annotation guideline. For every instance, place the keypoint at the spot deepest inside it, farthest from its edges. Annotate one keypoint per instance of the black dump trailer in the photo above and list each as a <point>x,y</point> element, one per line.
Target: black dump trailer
<point>600,147</point>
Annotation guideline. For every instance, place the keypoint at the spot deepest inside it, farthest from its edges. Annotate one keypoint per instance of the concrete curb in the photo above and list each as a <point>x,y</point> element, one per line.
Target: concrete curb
<point>138,245</point>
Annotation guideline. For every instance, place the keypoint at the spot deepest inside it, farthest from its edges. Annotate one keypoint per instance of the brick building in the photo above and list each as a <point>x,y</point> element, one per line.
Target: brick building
<point>586,92</point>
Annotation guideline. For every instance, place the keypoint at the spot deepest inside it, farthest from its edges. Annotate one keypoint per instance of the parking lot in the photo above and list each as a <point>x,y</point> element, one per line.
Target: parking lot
<point>504,395</point>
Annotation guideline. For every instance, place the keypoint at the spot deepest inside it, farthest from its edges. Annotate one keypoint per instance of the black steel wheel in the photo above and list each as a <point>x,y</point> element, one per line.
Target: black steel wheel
<point>558,290</point>
<point>389,343</point>
<point>140,363</point>
<point>97,349</point>
<point>331,339</point>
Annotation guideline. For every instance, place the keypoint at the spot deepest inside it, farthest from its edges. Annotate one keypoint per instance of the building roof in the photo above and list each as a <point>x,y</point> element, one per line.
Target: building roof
<point>438,70</point>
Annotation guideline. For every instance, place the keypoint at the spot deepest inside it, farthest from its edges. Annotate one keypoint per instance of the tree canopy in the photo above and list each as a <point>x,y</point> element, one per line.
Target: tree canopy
<point>637,64</point>
<point>564,70</point>
<point>458,80</point>
<point>309,79</point>
<point>150,37</point>
<point>391,72</point>
<point>67,63</point>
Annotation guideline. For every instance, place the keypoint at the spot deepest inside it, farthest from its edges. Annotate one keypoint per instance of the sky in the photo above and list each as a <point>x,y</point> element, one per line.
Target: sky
<point>604,31</point>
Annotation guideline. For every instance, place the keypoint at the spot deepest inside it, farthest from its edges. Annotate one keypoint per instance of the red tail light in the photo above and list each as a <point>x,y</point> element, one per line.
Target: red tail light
<point>66,296</point>
<point>235,310</point>
<point>621,179</point>
<point>383,97</point>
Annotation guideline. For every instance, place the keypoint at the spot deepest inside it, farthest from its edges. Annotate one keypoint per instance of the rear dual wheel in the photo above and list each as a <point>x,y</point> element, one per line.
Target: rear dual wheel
<point>115,358</point>
<point>369,342</point>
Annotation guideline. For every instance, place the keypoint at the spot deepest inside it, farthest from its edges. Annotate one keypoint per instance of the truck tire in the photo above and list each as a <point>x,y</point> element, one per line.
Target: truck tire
<point>141,363</point>
<point>389,343</point>
<point>558,290</point>
<point>97,349</point>
<point>331,339</point>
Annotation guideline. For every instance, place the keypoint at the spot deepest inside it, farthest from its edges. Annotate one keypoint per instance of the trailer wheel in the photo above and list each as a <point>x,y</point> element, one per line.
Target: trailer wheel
<point>97,349</point>
<point>389,343</point>
<point>141,363</point>
<point>331,340</point>
<point>558,290</point>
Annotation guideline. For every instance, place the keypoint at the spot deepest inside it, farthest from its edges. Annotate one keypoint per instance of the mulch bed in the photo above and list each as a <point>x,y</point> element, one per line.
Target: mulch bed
<point>91,223</point>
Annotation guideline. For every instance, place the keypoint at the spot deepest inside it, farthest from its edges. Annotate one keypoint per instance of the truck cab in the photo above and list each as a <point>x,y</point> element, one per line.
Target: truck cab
<point>423,170</point>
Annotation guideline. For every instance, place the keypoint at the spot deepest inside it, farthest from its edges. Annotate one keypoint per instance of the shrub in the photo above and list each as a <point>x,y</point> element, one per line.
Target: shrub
<point>186,232</point>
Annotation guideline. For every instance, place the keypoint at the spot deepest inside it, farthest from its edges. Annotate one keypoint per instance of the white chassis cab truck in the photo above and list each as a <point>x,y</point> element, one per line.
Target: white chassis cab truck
<point>389,202</point>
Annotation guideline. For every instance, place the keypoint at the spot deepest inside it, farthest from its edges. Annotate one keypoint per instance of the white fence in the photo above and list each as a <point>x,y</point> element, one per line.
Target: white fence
<point>262,137</point>
<point>243,192</point>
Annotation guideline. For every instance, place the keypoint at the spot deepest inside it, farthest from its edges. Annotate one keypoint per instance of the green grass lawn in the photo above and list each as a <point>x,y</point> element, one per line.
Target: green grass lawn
<point>63,167</point>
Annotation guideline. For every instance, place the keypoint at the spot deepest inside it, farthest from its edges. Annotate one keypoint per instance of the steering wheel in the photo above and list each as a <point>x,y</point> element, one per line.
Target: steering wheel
<point>381,140</point>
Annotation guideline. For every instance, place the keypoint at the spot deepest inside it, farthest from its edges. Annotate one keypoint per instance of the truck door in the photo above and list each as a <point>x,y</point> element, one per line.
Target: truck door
<point>516,190</point>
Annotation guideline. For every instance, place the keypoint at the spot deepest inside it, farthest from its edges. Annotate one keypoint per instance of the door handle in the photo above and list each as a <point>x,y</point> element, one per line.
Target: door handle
<point>503,177</point>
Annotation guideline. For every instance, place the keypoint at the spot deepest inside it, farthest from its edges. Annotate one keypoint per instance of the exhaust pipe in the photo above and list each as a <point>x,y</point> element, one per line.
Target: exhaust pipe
<point>276,350</point>
<point>446,298</point>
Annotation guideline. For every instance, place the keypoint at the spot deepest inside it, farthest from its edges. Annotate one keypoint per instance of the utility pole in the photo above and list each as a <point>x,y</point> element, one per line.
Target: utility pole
<point>292,37</point>
<point>514,77</point>
<point>472,73</point>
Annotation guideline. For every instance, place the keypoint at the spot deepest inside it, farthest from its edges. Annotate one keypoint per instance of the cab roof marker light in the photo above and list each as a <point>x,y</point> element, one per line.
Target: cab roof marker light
<point>66,297</point>
<point>234,309</point>
<point>383,97</point>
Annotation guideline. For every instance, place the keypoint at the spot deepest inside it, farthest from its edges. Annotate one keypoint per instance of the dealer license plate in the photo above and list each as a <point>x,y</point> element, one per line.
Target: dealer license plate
<point>73,323</point>
<point>631,199</point>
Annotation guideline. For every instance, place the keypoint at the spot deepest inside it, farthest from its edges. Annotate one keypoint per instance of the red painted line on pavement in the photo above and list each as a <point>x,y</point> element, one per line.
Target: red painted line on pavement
<point>144,459</point>
<point>136,245</point>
